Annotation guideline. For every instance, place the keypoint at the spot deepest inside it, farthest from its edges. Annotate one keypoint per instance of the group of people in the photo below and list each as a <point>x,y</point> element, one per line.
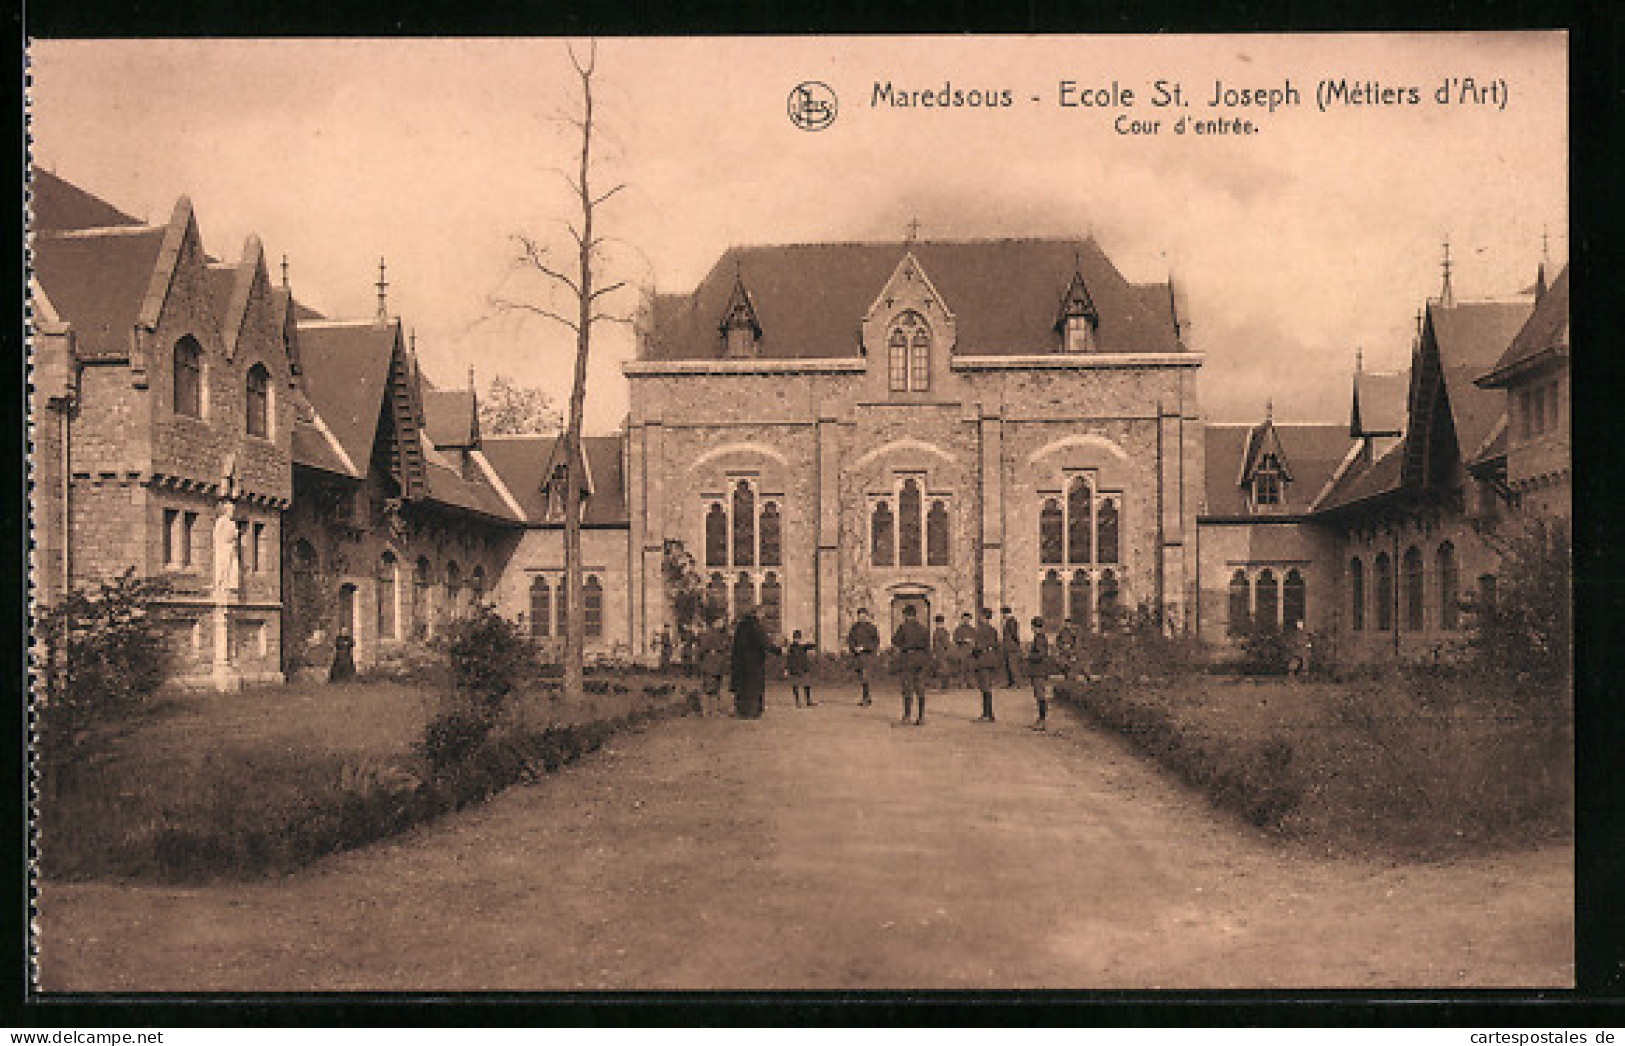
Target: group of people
<point>975,653</point>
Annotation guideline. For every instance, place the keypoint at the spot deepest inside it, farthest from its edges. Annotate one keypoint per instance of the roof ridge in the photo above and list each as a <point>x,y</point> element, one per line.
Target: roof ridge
<point>909,244</point>
<point>98,230</point>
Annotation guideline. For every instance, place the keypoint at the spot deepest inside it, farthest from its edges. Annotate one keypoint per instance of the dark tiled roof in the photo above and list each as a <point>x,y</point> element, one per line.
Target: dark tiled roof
<point>346,367</point>
<point>1005,296</point>
<point>97,281</point>
<point>521,461</point>
<point>1471,336</point>
<point>1312,451</point>
<point>448,416</point>
<point>58,205</point>
<point>1382,400</point>
<point>1547,328</point>
<point>447,487</point>
<point>1360,483</point>
<point>311,448</point>
<point>1492,448</point>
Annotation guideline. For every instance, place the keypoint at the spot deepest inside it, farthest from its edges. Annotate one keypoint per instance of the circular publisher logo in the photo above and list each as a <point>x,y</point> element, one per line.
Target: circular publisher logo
<point>812,105</point>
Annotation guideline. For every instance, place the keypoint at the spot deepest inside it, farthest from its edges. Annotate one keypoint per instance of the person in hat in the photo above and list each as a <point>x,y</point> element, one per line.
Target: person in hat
<point>911,644</point>
<point>798,666</point>
<point>863,640</point>
<point>1038,669</point>
<point>987,656</point>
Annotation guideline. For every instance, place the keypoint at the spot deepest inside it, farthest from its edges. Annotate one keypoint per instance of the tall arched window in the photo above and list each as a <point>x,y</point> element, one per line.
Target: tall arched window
<point>716,536</point>
<point>1079,519</point>
<point>1106,532</point>
<point>592,607</point>
<point>744,593</point>
<point>908,347</point>
<point>1357,594</point>
<point>1415,593</point>
<point>1110,600</point>
<point>1384,568</point>
<point>744,534</point>
<point>936,535</point>
<point>1052,599</point>
<point>422,593</point>
<point>1241,608</point>
<point>1266,600</point>
<point>769,535</point>
<point>1080,592</point>
<point>1051,532</point>
<point>1294,599</point>
<point>259,401</point>
<point>881,539</point>
<point>541,607</point>
<point>386,596</point>
<point>772,604</point>
<point>188,397</point>
<point>909,524</point>
<point>454,589</point>
<point>1449,585</point>
<point>561,608</point>
<point>716,596</point>
<point>476,587</point>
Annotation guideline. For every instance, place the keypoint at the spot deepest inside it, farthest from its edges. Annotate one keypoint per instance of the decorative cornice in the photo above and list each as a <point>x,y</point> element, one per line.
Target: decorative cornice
<point>1079,361</point>
<point>726,367</point>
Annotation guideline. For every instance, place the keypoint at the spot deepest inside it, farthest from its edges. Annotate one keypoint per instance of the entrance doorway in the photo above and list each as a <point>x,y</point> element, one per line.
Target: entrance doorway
<point>920,601</point>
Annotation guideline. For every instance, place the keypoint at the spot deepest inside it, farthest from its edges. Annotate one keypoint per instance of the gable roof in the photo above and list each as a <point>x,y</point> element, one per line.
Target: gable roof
<point>1311,452</point>
<point>1545,332</point>
<point>57,205</point>
<point>1470,337</point>
<point>98,280</point>
<point>1003,294</point>
<point>1365,480</point>
<point>1382,396</point>
<point>346,366</point>
<point>449,416</point>
<point>522,462</point>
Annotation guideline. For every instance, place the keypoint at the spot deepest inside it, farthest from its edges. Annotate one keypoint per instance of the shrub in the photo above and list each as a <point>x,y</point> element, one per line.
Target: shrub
<point>454,734</point>
<point>487,655</point>
<point>1527,628</point>
<point>1268,650</point>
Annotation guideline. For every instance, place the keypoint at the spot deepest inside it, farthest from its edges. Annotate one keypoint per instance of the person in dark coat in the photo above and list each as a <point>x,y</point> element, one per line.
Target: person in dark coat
<point>911,645</point>
<point>714,651</point>
<point>942,653</point>
<point>343,657</point>
<point>986,658</point>
<point>798,666</point>
<point>749,677</point>
<point>663,646</point>
<point>863,640</point>
<point>1038,669</point>
<point>1066,647</point>
<point>1012,647</point>
<point>964,641</point>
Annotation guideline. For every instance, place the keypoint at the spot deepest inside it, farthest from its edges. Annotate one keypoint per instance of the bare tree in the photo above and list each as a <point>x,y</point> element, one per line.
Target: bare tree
<point>588,294</point>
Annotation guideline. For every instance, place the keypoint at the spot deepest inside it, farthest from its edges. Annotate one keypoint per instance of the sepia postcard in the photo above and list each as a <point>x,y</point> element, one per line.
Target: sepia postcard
<point>865,514</point>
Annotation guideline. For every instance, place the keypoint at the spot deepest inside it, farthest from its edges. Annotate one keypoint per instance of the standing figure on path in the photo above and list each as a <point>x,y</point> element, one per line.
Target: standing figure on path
<point>749,677</point>
<point>942,654</point>
<point>1012,647</point>
<point>798,666</point>
<point>343,657</point>
<point>863,640</point>
<point>714,652</point>
<point>964,641</point>
<point>1066,647</point>
<point>663,646</point>
<point>986,658</point>
<point>1038,668</point>
<point>911,645</point>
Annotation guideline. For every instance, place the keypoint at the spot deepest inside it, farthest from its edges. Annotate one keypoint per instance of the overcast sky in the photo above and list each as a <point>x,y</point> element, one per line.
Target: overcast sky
<point>1318,235</point>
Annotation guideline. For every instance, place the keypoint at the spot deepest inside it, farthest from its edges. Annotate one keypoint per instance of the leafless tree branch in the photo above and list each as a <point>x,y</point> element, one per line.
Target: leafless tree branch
<point>608,194</point>
<point>606,289</point>
<point>509,305</point>
<point>534,257</point>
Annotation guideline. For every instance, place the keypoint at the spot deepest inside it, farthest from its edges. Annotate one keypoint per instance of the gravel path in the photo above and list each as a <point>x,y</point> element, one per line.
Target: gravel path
<point>828,848</point>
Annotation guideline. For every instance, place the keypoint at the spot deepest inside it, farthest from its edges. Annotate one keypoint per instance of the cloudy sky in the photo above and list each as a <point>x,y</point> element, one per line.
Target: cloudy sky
<point>1319,234</point>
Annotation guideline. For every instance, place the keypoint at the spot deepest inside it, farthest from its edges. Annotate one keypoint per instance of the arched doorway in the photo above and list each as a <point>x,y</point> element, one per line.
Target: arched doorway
<point>919,599</point>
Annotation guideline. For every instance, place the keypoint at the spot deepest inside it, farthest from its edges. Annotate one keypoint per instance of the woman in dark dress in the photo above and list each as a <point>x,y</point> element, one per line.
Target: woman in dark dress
<point>343,658</point>
<point>749,677</point>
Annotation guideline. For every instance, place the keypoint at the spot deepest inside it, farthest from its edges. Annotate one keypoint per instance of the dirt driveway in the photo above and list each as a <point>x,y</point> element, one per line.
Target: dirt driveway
<point>828,848</point>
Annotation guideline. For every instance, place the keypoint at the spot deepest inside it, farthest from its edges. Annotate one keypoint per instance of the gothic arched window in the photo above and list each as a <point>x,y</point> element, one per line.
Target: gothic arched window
<point>1294,599</point>
<point>422,592</point>
<point>476,587</point>
<point>1385,592</point>
<point>1449,582</point>
<point>769,535</point>
<point>1267,600</point>
<point>259,401</point>
<point>386,596</point>
<point>1110,599</point>
<point>1079,521</point>
<point>908,348</point>
<point>188,391</point>
<point>772,604</point>
<point>716,536</point>
<point>541,607</point>
<point>454,587</point>
<point>1052,599</point>
<point>1357,595</point>
<point>1079,591</point>
<point>1241,604</point>
<point>909,524</point>
<point>592,606</point>
<point>744,529</point>
<point>881,539</point>
<point>1415,594</point>
<point>1106,532</point>
<point>744,593</point>
<point>936,535</point>
<point>716,596</point>
<point>1051,532</point>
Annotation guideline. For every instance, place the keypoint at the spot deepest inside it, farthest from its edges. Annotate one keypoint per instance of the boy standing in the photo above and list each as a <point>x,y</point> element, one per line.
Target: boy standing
<point>863,640</point>
<point>1038,671</point>
<point>798,665</point>
<point>986,657</point>
<point>912,644</point>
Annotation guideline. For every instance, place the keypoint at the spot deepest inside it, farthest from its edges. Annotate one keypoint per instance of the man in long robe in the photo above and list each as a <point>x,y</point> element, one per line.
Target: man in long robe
<point>749,676</point>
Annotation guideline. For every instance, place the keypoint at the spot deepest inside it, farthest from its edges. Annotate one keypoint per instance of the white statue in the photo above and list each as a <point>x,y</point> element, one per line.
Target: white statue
<point>227,553</point>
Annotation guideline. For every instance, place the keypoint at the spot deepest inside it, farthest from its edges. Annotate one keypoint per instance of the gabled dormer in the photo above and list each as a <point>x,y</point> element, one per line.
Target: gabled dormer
<point>1264,476</point>
<point>555,482</point>
<point>740,328</point>
<point>909,327</point>
<point>1078,323</point>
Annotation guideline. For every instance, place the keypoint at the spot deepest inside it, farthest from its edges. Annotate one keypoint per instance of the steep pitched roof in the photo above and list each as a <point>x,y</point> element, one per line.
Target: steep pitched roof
<point>1311,453</point>
<point>449,416</point>
<point>346,368</point>
<point>98,281</point>
<point>1382,396</point>
<point>1546,331</point>
<point>1471,336</point>
<point>1365,481</point>
<point>810,298</point>
<point>57,205</point>
<point>522,462</point>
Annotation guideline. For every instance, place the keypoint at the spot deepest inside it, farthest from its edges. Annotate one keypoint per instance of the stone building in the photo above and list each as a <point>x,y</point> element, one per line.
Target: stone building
<point>829,427</point>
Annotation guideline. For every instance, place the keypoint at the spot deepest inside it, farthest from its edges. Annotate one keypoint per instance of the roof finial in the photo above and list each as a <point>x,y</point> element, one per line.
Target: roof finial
<point>913,230</point>
<point>1545,246</point>
<point>383,287</point>
<point>1269,409</point>
<point>470,377</point>
<point>1359,359</point>
<point>284,272</point>
<point>1446,298</point>
<point>412,342</point>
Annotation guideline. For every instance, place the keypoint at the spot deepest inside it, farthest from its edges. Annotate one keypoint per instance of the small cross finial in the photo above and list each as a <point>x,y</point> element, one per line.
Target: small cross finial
<point>412,341</point>
<point>284,272</point>
<point>470,377</point>
<point>1359,359</point>
<point>913,229</point>
<point>1445,296</point>
<point>1269,409</point>
<point>1545,246</point>
<point>383,288</point>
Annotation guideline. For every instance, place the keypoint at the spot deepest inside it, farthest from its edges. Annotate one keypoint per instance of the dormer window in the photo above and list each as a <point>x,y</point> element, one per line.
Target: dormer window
<point>741,342</point>
<point>1078,320</point>
<point>909,353</point>
<point>1268,483</point>
<point>741,330</point>
<point>1080,334</point>
<point>555,493</point>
